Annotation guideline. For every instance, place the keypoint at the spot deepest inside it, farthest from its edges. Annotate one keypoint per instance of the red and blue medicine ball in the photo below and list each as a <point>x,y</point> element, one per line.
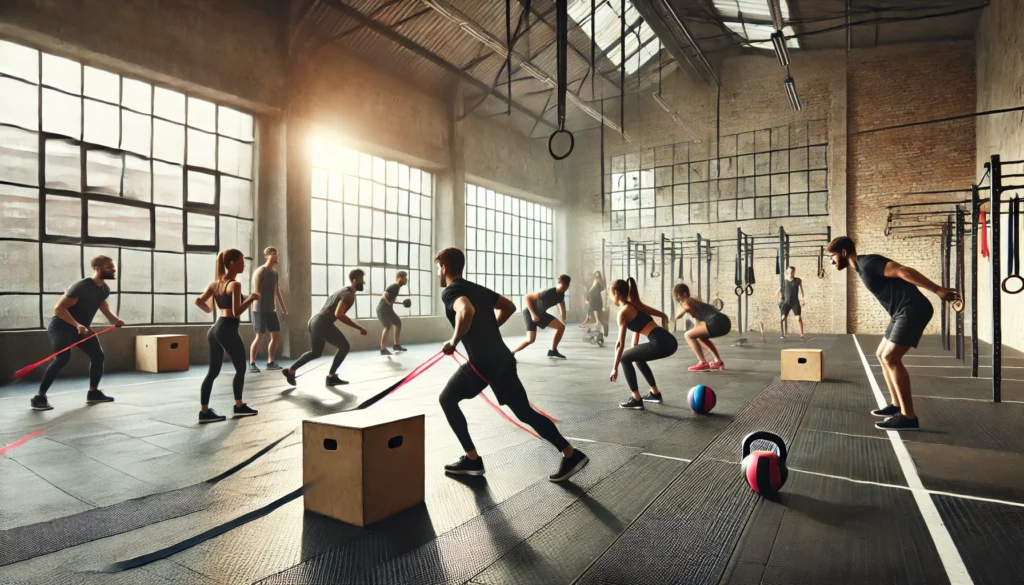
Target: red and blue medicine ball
<point>701,399</point>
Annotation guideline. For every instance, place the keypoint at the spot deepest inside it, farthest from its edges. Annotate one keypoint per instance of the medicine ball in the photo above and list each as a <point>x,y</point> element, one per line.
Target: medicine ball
<point>407,303</point>
<point>701,398</point>
<point>765,470</point>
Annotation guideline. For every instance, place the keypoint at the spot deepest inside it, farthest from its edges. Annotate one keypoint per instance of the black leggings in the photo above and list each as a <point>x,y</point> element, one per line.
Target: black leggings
<point>223,336</point>
<point>465,384</point>
<point>321,332</point>
<point>660,344</point>
<point>63,335</point>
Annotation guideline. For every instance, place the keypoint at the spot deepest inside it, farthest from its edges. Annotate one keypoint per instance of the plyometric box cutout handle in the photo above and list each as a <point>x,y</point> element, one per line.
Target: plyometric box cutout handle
<point>801,360</point>
<point>395,442</point>
<point>331,444</point>
<point>174,346</point>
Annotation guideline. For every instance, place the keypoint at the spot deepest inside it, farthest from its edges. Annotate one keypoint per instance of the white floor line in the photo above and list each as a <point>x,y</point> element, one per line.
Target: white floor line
<point>846,434</point>
<point>106,387</point>
<point>667,457</point>
<point>580,440</point>
<point>850,479</point>
<point>955,367</point>
<point>944,545</point>
<point>983,378</point>
<point>969,399</point>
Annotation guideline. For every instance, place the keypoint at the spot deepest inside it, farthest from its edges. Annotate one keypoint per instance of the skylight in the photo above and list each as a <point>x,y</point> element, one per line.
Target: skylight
<point>759,35</point>
<point>607,25</point>
<point>749,9</point>
<point>753,21</point>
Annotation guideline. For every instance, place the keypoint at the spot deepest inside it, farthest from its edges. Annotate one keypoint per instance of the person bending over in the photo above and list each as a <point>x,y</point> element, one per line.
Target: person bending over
<point>72,317</point>
<point>323,331</point>
<point>710,322</point>
<point>477,313</point>
<point>896,288</point>
<point>535,315</point>
<point>791,298</point>
<point>264,311</point>
<point>226,293</point>
<point>386,313</point>
<point>637,317</point>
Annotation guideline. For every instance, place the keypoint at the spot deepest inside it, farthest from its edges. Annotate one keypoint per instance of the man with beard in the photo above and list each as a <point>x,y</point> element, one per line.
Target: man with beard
<point>72,317</point>
<point>323,331</point>
<point>896,288</point>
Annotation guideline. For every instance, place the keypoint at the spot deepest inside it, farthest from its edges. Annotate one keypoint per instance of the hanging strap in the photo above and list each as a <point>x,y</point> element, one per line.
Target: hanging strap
<point>561,49</point>
<point>984,233</point>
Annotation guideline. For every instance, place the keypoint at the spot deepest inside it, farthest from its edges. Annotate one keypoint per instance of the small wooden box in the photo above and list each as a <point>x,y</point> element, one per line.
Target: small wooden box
<point>803,364</point>
<point>363,466</point>
<point>161,353</point>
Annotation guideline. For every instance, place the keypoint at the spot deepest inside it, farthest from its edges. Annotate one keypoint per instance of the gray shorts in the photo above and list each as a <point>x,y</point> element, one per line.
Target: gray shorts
<point>545,320</point>
<point>907,327</point>
<point>387,316</point>
<point>264,322</point>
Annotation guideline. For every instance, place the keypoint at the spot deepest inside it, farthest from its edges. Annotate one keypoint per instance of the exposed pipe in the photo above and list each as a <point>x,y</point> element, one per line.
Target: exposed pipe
<point>692,41</point>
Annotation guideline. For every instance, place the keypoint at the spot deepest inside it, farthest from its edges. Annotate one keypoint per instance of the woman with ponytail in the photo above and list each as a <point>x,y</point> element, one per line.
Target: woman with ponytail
<point>637,317</point>
<point>226,293</point>
<point>710,323</point>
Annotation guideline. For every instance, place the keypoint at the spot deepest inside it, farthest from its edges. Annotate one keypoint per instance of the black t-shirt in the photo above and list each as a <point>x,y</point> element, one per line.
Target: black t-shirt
<point>895,294</point>
<point>327,311</point>
<point>89,297</point>
<point>484,345</point>
<point>791,291</point>
<point>549,298</point>
<point>392,292</point>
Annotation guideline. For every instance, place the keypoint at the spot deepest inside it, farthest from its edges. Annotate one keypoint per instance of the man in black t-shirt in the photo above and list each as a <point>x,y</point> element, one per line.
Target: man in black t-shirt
<point>477,313</point>
<point>386,313</point>
<point>896,287</point>
<point>73,316</point>
<point>535,315</point>
<point>791,299</point>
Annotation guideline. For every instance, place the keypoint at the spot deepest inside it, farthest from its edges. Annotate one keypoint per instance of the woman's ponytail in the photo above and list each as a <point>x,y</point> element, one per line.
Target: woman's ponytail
<point>226,257</point>
<point>633,295</point>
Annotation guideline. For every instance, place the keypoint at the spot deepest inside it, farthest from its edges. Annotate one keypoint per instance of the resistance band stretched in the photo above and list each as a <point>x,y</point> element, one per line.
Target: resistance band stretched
<point>25,371</point>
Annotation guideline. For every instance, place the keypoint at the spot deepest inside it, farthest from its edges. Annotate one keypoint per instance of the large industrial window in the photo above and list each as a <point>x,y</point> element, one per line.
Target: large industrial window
<point>373,214</point>
<point>95,163</point>
<point>775,172</point>
<point>508,242</point>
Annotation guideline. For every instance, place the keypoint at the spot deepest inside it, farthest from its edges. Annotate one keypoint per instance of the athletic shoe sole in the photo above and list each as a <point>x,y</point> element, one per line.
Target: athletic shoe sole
<point>245,415</point>
<point>474,472</point>
<point>42,408</point>
<point>881,428</point>
<point>277,369</point>
<point>879,415</point>
<point>655,401</point>
<point>555,357</point>
<point>338,383</point>
<point>212,420</point>
<point>637,407</point>
<point>98,401</point>
<point>576,469</point>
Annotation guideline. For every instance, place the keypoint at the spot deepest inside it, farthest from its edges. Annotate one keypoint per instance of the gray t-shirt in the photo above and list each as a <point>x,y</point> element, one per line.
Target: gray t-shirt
<point>327,311</point>
<point>89,297</point>
<point>267,288</point>
<point>791,291</point>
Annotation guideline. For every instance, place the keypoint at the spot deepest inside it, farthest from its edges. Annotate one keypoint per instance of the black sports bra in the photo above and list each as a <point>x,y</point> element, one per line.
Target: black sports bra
<point>223,299</point>
<point>637,323</point>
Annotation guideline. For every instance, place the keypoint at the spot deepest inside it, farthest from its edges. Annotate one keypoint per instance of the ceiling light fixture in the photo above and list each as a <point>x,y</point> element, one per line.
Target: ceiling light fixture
<point>779,44</point>
<point>794,97</point>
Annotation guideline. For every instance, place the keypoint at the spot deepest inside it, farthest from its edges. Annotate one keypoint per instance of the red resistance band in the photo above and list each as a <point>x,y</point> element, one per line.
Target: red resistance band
<point>495,406</point>
<point>984,234</point>
<point>25,371</point>
<point>21,441</point>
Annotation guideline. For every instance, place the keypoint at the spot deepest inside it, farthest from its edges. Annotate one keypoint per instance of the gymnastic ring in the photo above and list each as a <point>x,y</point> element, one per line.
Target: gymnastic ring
<point>821,273</point>
<point>958,305</point>
<point>572,143</point>
<point>750,289</point>
<point>1010,278</point>
<point>718,304</point>
<point>739,291</point>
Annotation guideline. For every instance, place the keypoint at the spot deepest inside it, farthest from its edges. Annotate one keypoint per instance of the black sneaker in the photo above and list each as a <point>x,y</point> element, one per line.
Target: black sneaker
<point>245,410</point>
<point>253,369</point>
<point>289,375</point>
<point>632,403</point>
<point>466,466</point>
<point>334,380</point>
<point>398,348</point>
<point>570,466</point>
<point>95,397</point>
<point>273,366</point>
<point>40,403</point>
<point>898,422</point>
<point>384,351</point>
<point>886,411</point>
<point>652,397</point>
<point>553,354</point>
<point>210,416</point>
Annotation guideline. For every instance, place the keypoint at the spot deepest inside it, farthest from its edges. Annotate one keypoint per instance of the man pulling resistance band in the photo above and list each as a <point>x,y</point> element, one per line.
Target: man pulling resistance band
<point>476,313</point>
<point>896,287</point>
<point>322,330</point>
<point>535,315</point>
<point>71,320</point>
<point>791,297</point>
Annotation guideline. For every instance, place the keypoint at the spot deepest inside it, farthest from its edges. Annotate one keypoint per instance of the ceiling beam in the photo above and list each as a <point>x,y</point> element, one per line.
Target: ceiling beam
<point>422,51</point>
<point>481,34</point>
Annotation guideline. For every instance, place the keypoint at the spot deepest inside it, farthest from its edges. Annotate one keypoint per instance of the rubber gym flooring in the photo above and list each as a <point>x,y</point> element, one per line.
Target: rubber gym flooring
<point>662,501</point>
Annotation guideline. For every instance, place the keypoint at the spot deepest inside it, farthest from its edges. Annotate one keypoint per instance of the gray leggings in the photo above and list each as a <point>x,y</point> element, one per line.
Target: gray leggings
<point>322,332</point>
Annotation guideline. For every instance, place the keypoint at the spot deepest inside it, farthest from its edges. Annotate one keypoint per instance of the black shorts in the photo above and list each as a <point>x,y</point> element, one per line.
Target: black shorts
<point>545,320</point>
<point>264,322</point>
<point>907,327</point>
<point>596,303</point>
<point>718,325</point>
<point>387,316</point>
<point>785,309</point>
<point>507,386</point>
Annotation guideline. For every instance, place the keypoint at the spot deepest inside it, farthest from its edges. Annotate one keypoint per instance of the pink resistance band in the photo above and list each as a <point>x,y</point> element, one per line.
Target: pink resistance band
<point>495,406</point>
<point>25,371</point>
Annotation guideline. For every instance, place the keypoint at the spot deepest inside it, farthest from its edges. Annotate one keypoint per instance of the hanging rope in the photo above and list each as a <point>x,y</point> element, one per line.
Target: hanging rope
<point>622,69</point>
<point>561,47</point>
<point>508,52</point>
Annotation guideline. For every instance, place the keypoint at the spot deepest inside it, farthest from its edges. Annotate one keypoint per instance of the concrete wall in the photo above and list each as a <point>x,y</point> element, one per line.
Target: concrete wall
<point>1000,63</point>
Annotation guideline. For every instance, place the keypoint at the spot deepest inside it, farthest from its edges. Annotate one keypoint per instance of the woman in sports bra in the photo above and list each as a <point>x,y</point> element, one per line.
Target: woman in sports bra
<point>226,293</point>
<point>710,323</point>
<point>637,317</point>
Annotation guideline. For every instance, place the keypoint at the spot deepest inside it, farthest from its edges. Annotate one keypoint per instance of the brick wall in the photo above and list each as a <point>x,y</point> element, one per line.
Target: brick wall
<point>895,85</point>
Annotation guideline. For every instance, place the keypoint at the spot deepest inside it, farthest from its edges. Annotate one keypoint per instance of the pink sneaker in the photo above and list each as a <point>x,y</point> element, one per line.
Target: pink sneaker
<point>700,367</point>
<point>717,365</point>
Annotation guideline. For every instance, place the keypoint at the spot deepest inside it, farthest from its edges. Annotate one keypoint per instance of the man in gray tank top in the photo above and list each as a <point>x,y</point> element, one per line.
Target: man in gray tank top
<point>264,311</point>
<point>791,299</point>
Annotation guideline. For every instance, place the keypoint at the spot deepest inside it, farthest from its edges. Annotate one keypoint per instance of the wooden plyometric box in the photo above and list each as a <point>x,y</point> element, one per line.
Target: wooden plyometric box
<point>363,466</point>
<point>161,353</point>
<point>803,364</point>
